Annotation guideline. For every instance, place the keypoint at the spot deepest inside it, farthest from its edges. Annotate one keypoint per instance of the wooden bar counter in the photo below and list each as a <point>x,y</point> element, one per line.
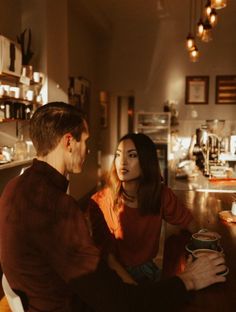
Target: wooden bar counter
<point>205,207</point>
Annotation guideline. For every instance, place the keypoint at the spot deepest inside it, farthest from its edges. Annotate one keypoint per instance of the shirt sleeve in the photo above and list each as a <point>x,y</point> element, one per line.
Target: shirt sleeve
<point>101,234</point>
<point>174,211</point>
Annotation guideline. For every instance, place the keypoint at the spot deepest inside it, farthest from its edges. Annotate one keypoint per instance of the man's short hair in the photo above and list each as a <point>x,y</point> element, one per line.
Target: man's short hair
<point>51,121</point>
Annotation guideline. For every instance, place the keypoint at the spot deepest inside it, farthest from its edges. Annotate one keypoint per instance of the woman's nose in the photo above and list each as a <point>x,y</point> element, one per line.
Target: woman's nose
<point>123,159</point>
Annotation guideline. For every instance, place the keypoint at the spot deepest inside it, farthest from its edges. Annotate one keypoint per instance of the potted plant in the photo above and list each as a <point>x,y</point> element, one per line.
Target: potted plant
<point>24,39</point>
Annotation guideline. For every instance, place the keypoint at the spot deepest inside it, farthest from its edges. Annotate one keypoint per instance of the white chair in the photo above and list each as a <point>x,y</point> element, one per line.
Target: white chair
<point>13,299</point>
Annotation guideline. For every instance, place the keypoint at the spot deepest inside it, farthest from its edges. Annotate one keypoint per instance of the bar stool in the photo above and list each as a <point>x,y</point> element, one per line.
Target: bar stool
<point>13,299</point>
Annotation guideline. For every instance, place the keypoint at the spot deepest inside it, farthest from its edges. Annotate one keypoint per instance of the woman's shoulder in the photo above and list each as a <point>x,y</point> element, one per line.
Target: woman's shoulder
<point>101,195</point>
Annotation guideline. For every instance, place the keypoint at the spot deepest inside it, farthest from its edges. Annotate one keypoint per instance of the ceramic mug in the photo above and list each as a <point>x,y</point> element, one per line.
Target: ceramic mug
<point>205,241</point>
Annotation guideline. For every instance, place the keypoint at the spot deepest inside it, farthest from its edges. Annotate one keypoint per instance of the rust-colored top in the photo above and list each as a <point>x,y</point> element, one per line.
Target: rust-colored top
<point>134,238</point>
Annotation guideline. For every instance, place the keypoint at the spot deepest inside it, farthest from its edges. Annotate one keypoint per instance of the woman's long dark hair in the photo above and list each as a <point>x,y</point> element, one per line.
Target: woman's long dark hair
<point>150,182</point>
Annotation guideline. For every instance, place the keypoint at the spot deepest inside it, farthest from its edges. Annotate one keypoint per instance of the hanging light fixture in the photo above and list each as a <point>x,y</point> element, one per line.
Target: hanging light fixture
<point>208,8</point>
<point>207,31</point>
<point>218,4</point>
<point>200,24</point>
<point>190,40</point>
<point>213,18</point>
<point>194,54</point>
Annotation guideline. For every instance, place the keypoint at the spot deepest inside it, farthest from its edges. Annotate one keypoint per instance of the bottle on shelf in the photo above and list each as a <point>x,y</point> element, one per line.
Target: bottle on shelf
<point>20,149</point>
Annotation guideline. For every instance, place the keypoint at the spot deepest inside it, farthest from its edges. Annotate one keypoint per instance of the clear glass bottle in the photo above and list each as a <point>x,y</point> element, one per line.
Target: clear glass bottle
<point>20,149</point>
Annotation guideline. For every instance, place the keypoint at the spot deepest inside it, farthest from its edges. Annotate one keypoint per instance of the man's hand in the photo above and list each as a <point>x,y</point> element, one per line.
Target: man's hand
<point>202,272</point>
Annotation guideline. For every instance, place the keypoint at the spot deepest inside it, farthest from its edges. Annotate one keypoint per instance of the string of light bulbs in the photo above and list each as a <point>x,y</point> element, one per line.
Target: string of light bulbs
<point>203,30</point>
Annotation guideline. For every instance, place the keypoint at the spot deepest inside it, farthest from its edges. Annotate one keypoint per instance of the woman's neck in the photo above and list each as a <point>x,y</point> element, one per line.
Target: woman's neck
<point>129,192</point>
<point>130,188</point>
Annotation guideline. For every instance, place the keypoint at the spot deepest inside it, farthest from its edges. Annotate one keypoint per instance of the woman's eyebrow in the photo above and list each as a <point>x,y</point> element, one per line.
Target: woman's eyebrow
<point>130,150</point>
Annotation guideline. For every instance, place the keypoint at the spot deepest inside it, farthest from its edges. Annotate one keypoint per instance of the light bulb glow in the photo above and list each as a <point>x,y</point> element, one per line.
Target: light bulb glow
<point>218,4</point>
<point>200,28</point>
<point>194,54</point>
<point>213,18</point>
<point>190,42</point>
<point>208,9</point>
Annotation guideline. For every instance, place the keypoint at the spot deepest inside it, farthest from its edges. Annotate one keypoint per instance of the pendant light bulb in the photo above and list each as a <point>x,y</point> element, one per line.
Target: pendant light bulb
<point>218,4</point>
<point>207,32</point>
<point>200,28</point>
<point>194,54</point>
<point>190,42</point>
<point>213,18</point>
<point>208,9</point>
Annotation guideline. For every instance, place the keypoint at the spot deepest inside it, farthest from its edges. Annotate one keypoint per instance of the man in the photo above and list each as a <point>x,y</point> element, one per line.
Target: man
<point>46,250</point>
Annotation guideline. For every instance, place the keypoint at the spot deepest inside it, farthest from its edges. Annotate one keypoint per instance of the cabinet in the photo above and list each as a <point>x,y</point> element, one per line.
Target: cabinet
<point>157,126</point>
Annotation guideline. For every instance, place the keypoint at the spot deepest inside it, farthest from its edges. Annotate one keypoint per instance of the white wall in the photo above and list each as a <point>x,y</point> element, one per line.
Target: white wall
<point>152,61</point>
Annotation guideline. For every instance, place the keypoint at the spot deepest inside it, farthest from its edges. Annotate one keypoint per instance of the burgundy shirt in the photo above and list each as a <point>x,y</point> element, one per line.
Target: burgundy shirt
<point>44,238</point>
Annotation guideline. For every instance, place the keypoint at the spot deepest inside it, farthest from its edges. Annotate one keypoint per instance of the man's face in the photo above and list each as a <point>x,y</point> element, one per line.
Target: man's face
<point>76,157</point>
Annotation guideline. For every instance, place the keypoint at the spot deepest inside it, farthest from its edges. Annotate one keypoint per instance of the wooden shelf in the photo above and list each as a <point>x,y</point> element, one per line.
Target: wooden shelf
<point>16,163</point>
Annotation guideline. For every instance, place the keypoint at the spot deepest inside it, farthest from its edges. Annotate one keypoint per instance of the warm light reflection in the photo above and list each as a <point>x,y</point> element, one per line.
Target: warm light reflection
<point>218,4</point>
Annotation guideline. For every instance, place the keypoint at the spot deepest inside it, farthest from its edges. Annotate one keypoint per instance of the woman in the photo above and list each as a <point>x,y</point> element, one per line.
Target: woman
<point>126,215</point>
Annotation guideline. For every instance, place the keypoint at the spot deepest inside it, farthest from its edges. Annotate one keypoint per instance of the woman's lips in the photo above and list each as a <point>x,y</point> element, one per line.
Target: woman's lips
<point>123,171</point>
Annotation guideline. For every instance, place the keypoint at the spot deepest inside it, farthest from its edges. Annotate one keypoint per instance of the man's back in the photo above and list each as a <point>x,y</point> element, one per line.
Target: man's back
<point>44,239</point>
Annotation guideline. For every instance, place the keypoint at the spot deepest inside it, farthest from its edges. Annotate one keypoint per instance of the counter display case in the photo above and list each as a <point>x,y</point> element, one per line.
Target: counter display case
<point>157,126</point>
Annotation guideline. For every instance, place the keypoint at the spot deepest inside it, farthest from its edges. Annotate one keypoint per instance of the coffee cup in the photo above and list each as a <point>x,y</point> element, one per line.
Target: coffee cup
<point>206,240</point>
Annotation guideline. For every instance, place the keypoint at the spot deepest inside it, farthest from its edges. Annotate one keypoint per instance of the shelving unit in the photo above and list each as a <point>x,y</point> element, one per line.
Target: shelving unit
<point>15,112</point>
<point>22,105</point>
<point>157,126</point>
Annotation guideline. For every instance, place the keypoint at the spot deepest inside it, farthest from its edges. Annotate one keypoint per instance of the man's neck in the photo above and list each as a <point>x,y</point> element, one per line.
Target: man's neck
<point>55,160</point>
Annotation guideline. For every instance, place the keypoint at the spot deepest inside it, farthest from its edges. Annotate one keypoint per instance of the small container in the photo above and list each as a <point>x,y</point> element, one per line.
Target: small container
<point>233,208</point>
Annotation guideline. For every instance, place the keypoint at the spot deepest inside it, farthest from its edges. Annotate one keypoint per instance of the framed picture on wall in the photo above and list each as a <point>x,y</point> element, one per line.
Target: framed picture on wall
<point>80,93</point>
<point>226,89</point>
<point>196,89</point>
<point>104,102</point>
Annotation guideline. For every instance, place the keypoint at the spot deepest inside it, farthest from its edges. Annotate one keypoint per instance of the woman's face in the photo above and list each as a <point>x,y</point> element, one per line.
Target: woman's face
<point>127,161</point>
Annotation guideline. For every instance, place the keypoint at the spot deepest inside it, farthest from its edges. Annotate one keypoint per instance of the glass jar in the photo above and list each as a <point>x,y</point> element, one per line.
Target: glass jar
<point>20,149</point>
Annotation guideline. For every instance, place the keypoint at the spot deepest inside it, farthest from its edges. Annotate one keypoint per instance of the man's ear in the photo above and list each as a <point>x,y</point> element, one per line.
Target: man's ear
<point>67,141</point>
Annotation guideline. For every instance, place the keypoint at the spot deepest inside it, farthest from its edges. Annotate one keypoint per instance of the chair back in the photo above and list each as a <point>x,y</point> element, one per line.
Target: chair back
<point>13,299</point>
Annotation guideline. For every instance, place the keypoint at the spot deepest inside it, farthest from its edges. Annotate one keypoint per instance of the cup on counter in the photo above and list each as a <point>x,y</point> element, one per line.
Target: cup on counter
<point>205,240</point>
<point>38,77</point>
